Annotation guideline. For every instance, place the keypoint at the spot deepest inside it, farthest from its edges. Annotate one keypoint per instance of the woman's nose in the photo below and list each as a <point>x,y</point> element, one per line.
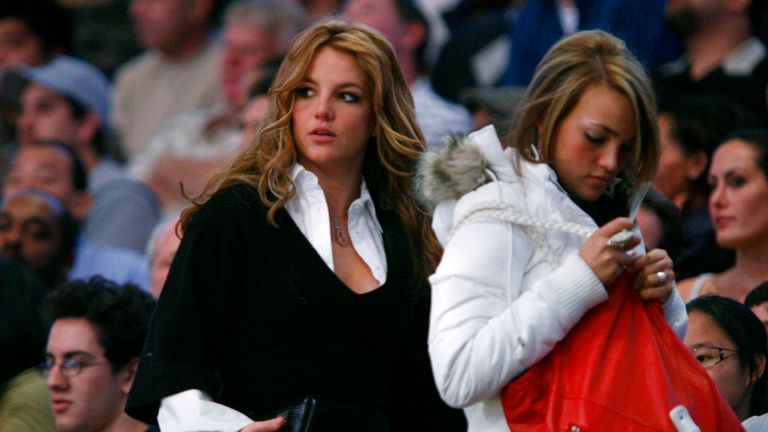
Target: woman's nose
<point>717,196</point>
<point>324,109</point>
<point>609,159</point>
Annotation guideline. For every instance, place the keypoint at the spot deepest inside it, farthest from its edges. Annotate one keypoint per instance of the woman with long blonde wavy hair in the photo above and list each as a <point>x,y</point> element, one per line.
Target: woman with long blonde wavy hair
<point>301,275</point>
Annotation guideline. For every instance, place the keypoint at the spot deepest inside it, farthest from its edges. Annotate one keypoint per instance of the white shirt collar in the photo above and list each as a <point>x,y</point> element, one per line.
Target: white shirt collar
<point>304,178</point>
<point>744,59</point>
<point>739,62</point>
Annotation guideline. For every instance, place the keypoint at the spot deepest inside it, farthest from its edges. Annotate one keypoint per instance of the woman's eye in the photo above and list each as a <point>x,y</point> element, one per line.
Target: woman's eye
<point>594,139</point>
<point>736,182</point>
<point>305,92</point>
<point>349,97</point>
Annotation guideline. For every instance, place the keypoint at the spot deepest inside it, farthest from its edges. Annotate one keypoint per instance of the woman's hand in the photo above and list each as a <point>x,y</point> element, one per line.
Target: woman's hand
<point>271,425</point>
<point>655,275</point>
<point>608,260</point>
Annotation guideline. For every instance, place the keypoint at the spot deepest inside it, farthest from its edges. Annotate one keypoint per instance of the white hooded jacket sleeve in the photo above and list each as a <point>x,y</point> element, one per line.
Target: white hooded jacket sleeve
<point>493,316</point>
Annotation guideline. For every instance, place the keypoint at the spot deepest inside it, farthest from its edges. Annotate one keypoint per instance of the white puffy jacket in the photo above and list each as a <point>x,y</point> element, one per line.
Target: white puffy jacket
<point>504,295</point>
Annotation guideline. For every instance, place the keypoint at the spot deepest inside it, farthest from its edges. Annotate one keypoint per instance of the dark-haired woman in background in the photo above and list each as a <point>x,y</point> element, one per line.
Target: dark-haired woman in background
<point>730,342</point>
<point>689,131</point>
<point>738,206</point>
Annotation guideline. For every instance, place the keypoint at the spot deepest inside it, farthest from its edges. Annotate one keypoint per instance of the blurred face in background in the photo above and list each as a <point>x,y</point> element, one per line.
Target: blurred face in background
<point>30,232</point>
<point>689,17</point>
<point>380,15</point>
<point>676,167</point>
<point>651,227</point>
<point>50,170</point>
<point>245,49</point>
<point>738,204</point>
<point>42,168</point>
<point>46,115</point>
<point>18,45</point>
<point>731,376</point>
<point>164,24</point>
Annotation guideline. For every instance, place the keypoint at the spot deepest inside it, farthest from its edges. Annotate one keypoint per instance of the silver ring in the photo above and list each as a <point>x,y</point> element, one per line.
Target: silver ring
<point>662,277</point>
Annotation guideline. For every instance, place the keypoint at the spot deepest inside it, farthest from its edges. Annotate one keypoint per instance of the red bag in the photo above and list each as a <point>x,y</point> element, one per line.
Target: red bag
<point>622,368</point>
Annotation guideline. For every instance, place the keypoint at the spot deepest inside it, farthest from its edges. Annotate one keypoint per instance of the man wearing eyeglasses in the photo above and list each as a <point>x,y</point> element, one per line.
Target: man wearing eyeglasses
<point>95,340</point>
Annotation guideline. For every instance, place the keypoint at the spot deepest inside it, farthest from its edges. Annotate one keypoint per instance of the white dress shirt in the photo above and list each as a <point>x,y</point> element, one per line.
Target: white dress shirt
<point>193,410</point>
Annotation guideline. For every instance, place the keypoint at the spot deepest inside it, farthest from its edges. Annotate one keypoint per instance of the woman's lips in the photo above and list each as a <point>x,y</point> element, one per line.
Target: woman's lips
<point>722,221</point>
<point>322,135</point>
<point>600,181</point>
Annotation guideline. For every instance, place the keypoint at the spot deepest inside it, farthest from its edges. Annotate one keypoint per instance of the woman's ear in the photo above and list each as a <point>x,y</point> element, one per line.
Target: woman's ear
<point>697,163</point>
<point>759,368</point>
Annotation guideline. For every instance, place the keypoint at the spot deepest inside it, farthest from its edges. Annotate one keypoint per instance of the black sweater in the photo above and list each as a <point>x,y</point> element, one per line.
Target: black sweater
<point>251,315</point>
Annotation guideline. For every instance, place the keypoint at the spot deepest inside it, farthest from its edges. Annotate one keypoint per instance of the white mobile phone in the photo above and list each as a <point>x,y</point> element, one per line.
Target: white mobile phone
<point>620,239</point>
<point>682,420</point>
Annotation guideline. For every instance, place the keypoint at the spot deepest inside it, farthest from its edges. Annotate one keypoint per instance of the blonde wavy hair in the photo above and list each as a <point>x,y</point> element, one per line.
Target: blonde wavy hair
<point>391,155</point>
<point>565,72</point>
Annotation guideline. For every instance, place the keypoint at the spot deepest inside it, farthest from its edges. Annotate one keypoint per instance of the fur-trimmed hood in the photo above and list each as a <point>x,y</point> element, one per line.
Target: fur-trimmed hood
<point>461,166</point>
<point>449,172</point>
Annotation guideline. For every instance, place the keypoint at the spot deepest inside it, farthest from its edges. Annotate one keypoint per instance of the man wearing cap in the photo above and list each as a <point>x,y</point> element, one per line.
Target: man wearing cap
<point>67,100</point>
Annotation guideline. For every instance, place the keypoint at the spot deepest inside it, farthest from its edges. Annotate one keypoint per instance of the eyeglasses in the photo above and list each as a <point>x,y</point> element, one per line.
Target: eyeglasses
<point>69,368</point>
<point>709,356</point>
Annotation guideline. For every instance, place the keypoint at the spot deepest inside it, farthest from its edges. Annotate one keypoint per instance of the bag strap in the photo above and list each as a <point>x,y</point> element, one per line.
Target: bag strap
<point>504,211</point>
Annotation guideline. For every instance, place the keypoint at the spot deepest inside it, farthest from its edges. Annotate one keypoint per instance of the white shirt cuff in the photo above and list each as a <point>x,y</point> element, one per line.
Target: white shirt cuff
<point>193,410</point>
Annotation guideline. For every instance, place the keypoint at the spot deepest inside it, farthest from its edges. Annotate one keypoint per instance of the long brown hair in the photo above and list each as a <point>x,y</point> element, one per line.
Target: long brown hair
<point>391,155</point>
<point>572,65</point>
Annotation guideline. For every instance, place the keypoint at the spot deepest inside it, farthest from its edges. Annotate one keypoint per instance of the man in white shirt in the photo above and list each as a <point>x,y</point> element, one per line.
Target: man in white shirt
<point>723,57</point>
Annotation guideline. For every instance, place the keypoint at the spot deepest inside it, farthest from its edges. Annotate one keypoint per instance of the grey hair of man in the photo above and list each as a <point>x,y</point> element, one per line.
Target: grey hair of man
<point>282,18</point>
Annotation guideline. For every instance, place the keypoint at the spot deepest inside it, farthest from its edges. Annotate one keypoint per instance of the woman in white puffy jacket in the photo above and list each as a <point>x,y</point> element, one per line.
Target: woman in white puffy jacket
<point>524,258</point>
